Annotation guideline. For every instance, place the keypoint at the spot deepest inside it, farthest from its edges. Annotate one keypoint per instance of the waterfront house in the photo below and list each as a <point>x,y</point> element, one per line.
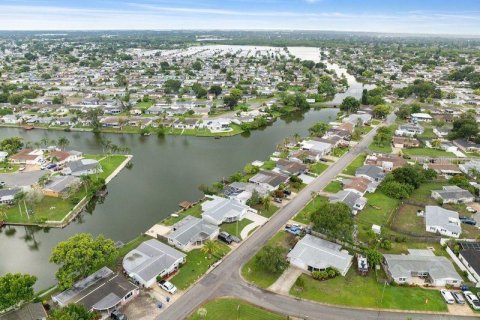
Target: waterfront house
<point>242,191</point>
<point>442,221</point>
<point>315,254</point>
<point>82,167</point>
<point>453,194</point>
<point>59,186</point>
<point>290,167</point>
<point>7,196</point>
<point>320,148</point>
<point>356,118</point>
<point>31,311</point>
<point>191,232</point>
<point>150,260</point>
<point>220,210</point>
<point>103,291</point>
<point>269,180</point>
<point>27,156</point>
<point>11,119</point>
<point>421,267</point>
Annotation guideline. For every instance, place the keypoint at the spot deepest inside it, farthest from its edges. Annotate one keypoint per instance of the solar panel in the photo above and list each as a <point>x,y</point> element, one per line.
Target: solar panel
<point>470,245</point>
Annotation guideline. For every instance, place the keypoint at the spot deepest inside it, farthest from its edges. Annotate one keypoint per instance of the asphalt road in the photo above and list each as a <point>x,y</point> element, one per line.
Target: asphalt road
<point>225,279</point>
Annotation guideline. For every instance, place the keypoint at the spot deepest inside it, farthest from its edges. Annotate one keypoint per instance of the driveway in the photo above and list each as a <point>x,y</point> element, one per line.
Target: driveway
<point>143,307</point>
<point>286,281</point>
<point>21,179</point>
<point>257,219</point>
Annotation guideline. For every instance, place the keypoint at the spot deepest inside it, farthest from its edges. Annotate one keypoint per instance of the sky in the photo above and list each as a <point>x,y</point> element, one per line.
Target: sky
<point>392,16</point>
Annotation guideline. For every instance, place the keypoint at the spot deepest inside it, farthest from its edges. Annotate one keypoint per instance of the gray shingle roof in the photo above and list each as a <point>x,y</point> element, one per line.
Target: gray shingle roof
<point>438,267</point>
<point>447,219</point>
<point>191,229</point>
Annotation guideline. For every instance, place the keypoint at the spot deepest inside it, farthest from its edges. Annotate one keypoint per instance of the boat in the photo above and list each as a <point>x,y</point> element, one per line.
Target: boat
<point>2,223</point>
<point>28,127</point>
<point>174,215</point>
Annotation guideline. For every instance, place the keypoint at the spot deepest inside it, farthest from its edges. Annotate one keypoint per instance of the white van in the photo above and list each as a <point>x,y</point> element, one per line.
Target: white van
<point>447,295</point>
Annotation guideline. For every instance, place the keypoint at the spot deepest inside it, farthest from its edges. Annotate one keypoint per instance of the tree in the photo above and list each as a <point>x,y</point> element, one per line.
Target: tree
<point>396,190</point>
<point>232,99</point>
<point>250,169</point>
<point>334,220</point>
<point>350,105</point>
<point>464,127</point>
<point>381,111</point>
<point>364,97</point>
<point>197,65</point>
<point>210,247</point>
<point>15,288</point>
<point>326,86</point>
<point>411,175</point>
<point>272,258</point>
<point>318,129</point>
<point>255,199</point>
<point>63,142</point>
<point>216,90</point>
<point>373,256</point>
<point>73,312</point>
<point>79,256</point>
<point>172,86</point>
<point>11,145</point>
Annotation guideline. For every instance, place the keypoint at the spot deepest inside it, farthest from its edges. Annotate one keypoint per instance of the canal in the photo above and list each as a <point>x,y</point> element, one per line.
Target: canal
<point>165,171</point>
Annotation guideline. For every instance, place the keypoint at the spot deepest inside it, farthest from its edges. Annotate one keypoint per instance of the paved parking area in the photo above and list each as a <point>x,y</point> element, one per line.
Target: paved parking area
<point>21,179</point>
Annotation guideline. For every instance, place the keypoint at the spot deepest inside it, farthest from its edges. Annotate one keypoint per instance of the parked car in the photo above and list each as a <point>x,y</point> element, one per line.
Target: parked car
<point>225,237</point>
<point>472,300</point>
<point>117,315</point>
<point>458,297</point>
<point>51,166</point>
<point>468,220</point>
<point>447,296</point>
<point>2,183</point>
<point>472,210</point>
<point>277,200</point>
<point>167,286</point>
<point>287,192</point>
<point>21,169</point>
<point>296,230</point>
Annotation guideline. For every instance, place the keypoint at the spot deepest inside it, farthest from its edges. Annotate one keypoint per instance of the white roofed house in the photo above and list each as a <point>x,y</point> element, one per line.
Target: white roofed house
<point>416,117</point>
<point>409,130</point>
<point>150,259</point>
<point>315,254</point>
<point>320,148</point>
<point>442,221</point>
<point>470,167</point>
<point>82,167</point>
<point>358,117</point>
<point>352,198</point>
<point>7,196</point>
<point>191,232</point>
<point>221,210</point>
<point>453,194</point>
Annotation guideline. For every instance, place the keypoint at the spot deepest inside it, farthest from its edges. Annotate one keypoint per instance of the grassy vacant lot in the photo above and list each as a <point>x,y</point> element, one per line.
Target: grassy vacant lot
<point>255,273</point>
<point>304,215</point>
<point>424,192</point>
<point>377,211</point>
<point>366,292</point>
<point>195,211</point>
<point>333,187</point>
<point>429,152</point>
<point>406,220</point>
<point>318,167</point>
<point>48,209</point>
<point>222,309</point>
<point>387,146</point>
<point>109,164</point>
<point>232,229</point>
<point>355,164</point>
<point>196,266</point>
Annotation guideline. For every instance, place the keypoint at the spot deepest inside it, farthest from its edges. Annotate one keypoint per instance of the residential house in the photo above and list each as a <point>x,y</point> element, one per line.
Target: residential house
<point>221,210</point>
<point>11,119</point>
<point>387,162</point>
<point>370,172</point>
<point>356,118</point>
<point>441,132</point>
<point>191,232</point>
<point>150,260</point>
<point>27,156</point>
<point>469,256</point>
<point>103,291</point>
<point>352,198</point>
<point>442,221</point>
<point>82,167</point>
<point>315,254</point>
<point>470,166</point>
<point>242,191</point>
<point>217,125</point>
<point>320,148</point>
<point>31,311</point>
<point>421,267</point>
<point>409,130</point>
<point>269,180</point>
<point>445,169</point>
<point>359,184</point>
<point>466,145</point>
<point>417,117</point>
<point>453,194</point>
<point>290,167</point>
<point>59,186</point>
<point>7,196</point>
<point>405,142</point>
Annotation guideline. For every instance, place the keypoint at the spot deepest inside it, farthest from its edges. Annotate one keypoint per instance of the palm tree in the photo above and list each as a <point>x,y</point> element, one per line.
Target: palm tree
<point>63,142</point>
<point>296,137</point>
<point>266,203</point>
<point>86,180</point>
<point>45,142</point>
<point>210,247</point>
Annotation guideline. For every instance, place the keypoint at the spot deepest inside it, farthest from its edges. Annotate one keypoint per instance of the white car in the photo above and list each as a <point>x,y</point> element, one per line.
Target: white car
<point>167,286</point>
<point>447,296</point>
<point>472,210</point>
<point>472,300</point>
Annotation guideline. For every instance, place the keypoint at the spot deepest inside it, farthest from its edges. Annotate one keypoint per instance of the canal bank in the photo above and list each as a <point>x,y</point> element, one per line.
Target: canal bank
<point>165,172</point>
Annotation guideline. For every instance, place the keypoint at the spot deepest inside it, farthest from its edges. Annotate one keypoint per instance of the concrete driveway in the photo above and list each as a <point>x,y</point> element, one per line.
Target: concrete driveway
<point>257,219</point>
<point>286,281</point>
<point>21,179</point>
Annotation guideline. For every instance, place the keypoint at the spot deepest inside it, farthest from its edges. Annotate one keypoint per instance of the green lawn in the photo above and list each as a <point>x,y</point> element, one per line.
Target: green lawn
<point>236,228</point>
<point>377,211</point>
<point>48,209</point>
<point>9,168</point>
<point>205,132</point>
<point>424,192</point>
<point>385,147</point>
<point>144,105</point>
<point>256,274</point>
<point>318,167</point>
<point>195,211</point>
<point>366,292</point>
<point>333,187</point>
<point>110,163</point>
<point>338,152</point>
<point>196,266</point>
<point>304,215</point>
<point>355,164</point>
<point>222,309</point>
<point>428,152</point>
<point>269,165</point>
<point>267,213</point>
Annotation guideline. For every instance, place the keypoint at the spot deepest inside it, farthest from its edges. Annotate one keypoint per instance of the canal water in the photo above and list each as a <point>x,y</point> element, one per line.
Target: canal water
<point>165,172</point>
